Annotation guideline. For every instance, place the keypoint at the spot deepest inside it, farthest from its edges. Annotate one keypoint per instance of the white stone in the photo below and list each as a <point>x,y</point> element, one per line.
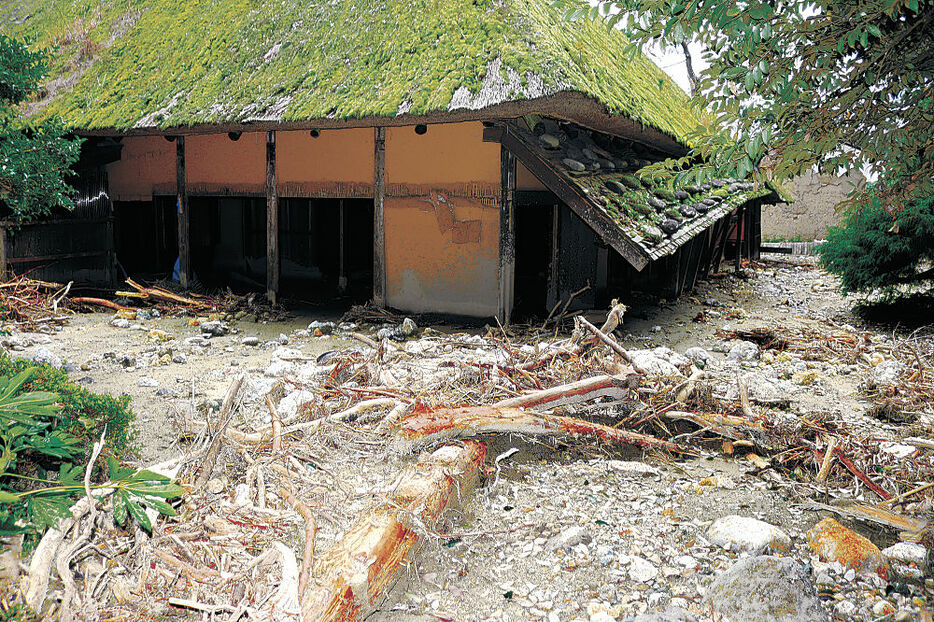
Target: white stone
<point>293,402</point>
<point>641,569</point>
<point>632,467</point>
<point>652,365</point>
<point>278,368</point>
<point>288,354</point>
<point>906,552</point>
<point>146,381</point>
<point>741,533</point>
<point>898,450</point>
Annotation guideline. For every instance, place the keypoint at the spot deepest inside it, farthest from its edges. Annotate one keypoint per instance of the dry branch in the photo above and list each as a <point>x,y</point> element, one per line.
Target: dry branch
<point>223,418</point>
<point>615,387</point>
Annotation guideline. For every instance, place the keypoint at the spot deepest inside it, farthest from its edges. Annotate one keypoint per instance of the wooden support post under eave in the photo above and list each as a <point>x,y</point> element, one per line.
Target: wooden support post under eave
<point>379,231</point>
<point>507,235</point>
<point>272,222</point>
<point>181,205</point>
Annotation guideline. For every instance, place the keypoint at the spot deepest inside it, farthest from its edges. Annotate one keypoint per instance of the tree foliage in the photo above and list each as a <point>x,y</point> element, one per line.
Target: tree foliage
<point>35,161</point>
<point>796,84</point>
<point>871,253</point>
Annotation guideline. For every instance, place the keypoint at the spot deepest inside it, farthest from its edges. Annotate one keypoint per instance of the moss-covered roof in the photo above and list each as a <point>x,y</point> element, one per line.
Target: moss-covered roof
<point>124,64</point>
<point>616,178</point>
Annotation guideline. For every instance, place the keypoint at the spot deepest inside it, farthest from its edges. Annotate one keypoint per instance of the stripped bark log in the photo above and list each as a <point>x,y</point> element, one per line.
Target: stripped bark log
<point>609,341</point>
<point>615,387</point>
<point>727,426</point>
<point>424,426</point>
<point>355,574</point>
<point>158,293</point>
<point>100,302</point>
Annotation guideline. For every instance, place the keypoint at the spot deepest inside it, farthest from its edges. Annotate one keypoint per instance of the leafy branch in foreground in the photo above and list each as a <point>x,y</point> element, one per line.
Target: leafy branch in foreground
<point>32,442</point>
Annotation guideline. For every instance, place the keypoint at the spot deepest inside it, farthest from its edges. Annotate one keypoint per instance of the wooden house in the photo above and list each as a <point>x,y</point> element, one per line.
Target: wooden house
<point>462,157</point>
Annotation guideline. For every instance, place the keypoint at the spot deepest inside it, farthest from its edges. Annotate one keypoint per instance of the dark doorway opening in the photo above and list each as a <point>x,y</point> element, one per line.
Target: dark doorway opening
<point>534,244</point>
<point>145,238</point>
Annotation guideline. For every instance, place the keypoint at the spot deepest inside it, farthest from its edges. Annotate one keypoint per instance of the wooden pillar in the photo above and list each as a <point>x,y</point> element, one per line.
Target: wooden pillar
<point>551,296</point>
<point>341,263</point>
<point>181,207</point>
<point>740,223</point>
<point>272,222</point>
<point>379,231</point>
<point>507,235</point>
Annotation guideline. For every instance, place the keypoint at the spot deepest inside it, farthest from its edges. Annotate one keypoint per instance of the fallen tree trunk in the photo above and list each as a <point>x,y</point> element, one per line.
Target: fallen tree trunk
<point>160,294</point>
<point>100,302</point>
<point>616,387</point>
<point>424,426</point>
<point>359,569</point>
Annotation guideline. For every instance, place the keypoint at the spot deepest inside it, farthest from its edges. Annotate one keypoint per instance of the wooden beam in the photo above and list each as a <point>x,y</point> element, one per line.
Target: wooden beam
<point>181,209</point>
<point>507,235</point>
<point>379,231</point>
<point>272,221</point>
<point>580,204</point>
<point>4,274</point>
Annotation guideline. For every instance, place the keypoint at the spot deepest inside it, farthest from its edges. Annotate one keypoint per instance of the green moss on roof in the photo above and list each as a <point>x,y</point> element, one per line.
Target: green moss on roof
<point>167,63</point>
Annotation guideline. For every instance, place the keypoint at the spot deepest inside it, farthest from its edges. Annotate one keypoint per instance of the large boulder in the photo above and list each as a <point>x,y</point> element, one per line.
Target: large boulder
<point>835,543</point>
<point>765,589</point>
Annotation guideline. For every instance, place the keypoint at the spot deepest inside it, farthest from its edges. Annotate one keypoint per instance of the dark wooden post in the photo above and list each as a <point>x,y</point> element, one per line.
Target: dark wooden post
<point>379,232</point>
<point>181,206</point>
<point>551,297</point>
<point>507,235</point>
<point>272,221</point>
<point>341,267</point>
<point>740,223</point>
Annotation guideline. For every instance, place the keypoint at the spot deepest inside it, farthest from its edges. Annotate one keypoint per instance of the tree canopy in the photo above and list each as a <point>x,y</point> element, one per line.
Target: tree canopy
<point>35,161</point>
<point>793,84</point>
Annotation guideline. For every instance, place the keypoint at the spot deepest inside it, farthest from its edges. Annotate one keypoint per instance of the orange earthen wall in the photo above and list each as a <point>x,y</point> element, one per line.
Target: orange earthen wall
<point>145,162</point>
<point>442,220</point>
<point>216,165</point>
<point>338,163</point>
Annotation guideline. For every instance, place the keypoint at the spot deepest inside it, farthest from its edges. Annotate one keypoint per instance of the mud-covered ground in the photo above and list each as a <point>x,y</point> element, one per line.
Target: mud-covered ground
<point>566,533</point>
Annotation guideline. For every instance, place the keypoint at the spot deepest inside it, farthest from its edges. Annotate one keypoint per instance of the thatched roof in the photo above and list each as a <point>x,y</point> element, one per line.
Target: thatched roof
<point>133,65</point>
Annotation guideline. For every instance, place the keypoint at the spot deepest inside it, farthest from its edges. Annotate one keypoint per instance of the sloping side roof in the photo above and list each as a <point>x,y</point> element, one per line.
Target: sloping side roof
<point>605,180</point>
<point>125,64</point>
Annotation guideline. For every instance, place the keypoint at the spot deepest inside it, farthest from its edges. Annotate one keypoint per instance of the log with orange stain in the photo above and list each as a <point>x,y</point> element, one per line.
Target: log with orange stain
<point>356,573</point>
<point>424,425</point>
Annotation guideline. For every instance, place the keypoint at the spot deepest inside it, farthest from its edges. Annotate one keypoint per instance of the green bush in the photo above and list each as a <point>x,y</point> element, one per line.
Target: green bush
<point>83,413</point>
<point>873,250</point>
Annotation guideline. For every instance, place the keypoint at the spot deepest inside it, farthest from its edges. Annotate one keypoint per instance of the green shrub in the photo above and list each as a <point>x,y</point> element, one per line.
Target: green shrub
<point>875,250</point>
<point>83,413</point>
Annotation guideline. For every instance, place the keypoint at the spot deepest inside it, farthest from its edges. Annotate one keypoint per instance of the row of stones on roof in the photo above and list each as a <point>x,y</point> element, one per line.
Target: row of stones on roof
<point>581,151</point>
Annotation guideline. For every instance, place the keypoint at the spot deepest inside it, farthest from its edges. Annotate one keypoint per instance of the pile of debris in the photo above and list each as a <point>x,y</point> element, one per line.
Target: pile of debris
<point>31,305</point>
<point>368,450</point>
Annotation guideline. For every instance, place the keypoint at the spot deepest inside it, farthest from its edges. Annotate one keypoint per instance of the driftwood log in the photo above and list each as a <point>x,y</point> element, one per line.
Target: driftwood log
<point>423,426</point>
<point>355,574</point>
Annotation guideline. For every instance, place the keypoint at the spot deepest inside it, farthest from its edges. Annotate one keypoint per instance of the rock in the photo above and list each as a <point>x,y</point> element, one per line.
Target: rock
<point>671,614</point>
<point>883,609</point>
<point>657,203</point>
<point>549,141</point>
<point>408,327</point>
<point>669,226</point>
<point>127,360</point>
<point>701,208</point>
<point>765,589</point>
<point>142,315</point>
<point>284,339</point>
<point>887,372</point>
<point>835,543</point>
<point>742,351</point>
<point>574,165</point>
<point>120,322</point>
<point>85,380</point>
<point>681,195</point>
<point>215,328</point>
<point>741,533</point>
<point>615,186</point>
<point>250,341</point>
<point>163,392</point>
<point>278,368</point>
<point>907,553</point>
<point>288,354</point>
<point>200,342</point>
<point>181,359</point>
<point>569,538</point>
<point>641,570</point>
<point>293,402</point>
<point>701,357</point>
<point>43,356</point>
<point>687,211</point>
<point>652,364</point>
<point>845,610</point>
<point>652,234</point>
<point>215,485</point>
<point>146,381</point>
<point>632,467</point>
<point>319,329</point>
